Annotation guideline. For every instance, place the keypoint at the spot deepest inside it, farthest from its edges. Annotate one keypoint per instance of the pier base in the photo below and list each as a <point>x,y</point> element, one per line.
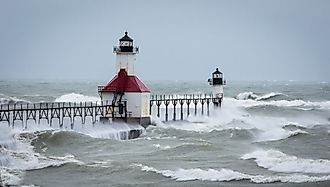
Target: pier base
<point>143,121</point>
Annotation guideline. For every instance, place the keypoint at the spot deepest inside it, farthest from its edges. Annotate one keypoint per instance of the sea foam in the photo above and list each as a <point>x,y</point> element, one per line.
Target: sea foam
<point>253,96</point>
<point>278,161</point>
<point>74,97</point>
<point>224,174</point>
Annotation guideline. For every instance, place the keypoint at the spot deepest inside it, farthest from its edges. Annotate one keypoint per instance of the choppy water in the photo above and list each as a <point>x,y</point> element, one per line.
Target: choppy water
<point>267,133</point>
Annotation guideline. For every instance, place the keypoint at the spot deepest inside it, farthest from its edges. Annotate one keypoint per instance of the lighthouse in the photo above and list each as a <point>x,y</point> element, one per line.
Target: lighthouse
<point>217,82</point>
<point>127,93</point>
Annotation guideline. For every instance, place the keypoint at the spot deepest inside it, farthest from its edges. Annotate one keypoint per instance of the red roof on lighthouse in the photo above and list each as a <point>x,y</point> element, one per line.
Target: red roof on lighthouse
<point>125,83</point>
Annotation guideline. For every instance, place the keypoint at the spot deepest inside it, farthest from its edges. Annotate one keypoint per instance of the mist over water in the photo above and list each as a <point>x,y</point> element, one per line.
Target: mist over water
<point>266,132</point>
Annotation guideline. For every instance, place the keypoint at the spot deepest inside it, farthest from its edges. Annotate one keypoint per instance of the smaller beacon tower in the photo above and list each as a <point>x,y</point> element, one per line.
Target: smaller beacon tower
<point>217,82</point>
<point>126,89</point>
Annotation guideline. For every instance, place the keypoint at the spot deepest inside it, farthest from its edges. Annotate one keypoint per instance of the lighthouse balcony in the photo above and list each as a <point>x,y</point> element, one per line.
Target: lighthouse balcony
<point>100,88</point>
<point>125,49</point>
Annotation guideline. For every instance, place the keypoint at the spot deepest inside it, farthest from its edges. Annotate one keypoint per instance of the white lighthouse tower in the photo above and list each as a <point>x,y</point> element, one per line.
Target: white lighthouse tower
<point>126,89</point>
<point>217,82</point>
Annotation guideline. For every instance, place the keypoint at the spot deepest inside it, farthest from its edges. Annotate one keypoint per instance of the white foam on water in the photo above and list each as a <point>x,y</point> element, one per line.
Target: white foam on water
<point>17,155</point>
<point>253,96</point>
<point>116,131</point>
<point>219,120</point>
<point>246,95</point>
<point>297,132</point>
<point>12,100</point>
<point>268,96</point>
<point>7,143</point>
<point>299,104</point>
<point>74,97</point>
<point>197,174</point>
<point>275,160</point>
<point>234,116</point>
<point>278,134</point>
<point>161,147</point>
<point>100,163</point>
<point>229,175</point>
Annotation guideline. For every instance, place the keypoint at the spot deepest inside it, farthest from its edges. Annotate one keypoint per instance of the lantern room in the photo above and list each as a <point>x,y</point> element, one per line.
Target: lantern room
<point>126,43</point>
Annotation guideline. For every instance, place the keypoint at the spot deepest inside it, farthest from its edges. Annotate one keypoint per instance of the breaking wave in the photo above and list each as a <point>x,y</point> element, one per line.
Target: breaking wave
<point>114,131</point>
<point>275,160</point>
<point>74,97</point>
<point>304,105</point>
<point>12,100</point>
<point>229,175</point>
<point>235,117</point>
<point>253,96</point>
<point>17,154</point>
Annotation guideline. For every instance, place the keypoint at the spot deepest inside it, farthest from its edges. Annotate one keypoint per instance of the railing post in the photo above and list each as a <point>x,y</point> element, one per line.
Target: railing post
<point>181,107</point>
<point>208,106</point>
<point>188,106</point>
<point>158,103</point>
<point>174,102</point>
<point>167,102</point>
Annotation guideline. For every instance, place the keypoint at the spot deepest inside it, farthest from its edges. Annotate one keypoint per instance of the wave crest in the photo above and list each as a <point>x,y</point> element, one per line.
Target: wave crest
<point>229,175</point>
<point>253,96</point>
<point>275,160</point>
<point>12,100</point>
<point>73,97</point>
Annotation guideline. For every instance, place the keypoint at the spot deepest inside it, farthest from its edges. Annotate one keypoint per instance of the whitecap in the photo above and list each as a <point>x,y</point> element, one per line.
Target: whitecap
<point>12,100</point>
<point>268,96</point>
<point>278,161</point>
<point>224,174</point>
<point>115,131</point>
<point>246,96</point>
<point>74,97</point>
<point>253,96</point>
<point>308,105</point>
<point>161,147</point>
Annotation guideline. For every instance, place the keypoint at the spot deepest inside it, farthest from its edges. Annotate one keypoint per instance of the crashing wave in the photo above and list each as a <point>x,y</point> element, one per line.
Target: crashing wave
<point>17,155</point>
<point>12,100</point>
<point>73,97</point>
<point>246,96</point>
<point>275,160</point>
<point>298,104</point>
<point>253,96</point>
<point>268,96</point>
<point>229,175</point>
<point>122,131</point>
<point>297,132</point>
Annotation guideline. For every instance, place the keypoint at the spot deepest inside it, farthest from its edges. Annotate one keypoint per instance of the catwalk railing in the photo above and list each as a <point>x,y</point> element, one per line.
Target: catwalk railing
<point>11,113</point>
<point>172,105</point>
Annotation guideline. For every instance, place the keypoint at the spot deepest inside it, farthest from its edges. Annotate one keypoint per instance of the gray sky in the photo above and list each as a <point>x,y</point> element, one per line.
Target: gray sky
<point>178,40</point>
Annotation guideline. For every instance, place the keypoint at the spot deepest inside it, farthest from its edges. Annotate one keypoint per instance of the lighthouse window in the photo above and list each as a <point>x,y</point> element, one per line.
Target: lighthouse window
<point>125,43</point>
<point>216,76</point>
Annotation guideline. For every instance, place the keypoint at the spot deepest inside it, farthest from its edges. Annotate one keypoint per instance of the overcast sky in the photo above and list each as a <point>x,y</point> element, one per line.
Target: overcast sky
<point>178,40</point>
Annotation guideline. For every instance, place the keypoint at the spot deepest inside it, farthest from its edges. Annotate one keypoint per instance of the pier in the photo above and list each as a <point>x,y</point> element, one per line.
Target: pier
<point>59,111</point>
<point>171,107</point>
<point>165,107</point>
